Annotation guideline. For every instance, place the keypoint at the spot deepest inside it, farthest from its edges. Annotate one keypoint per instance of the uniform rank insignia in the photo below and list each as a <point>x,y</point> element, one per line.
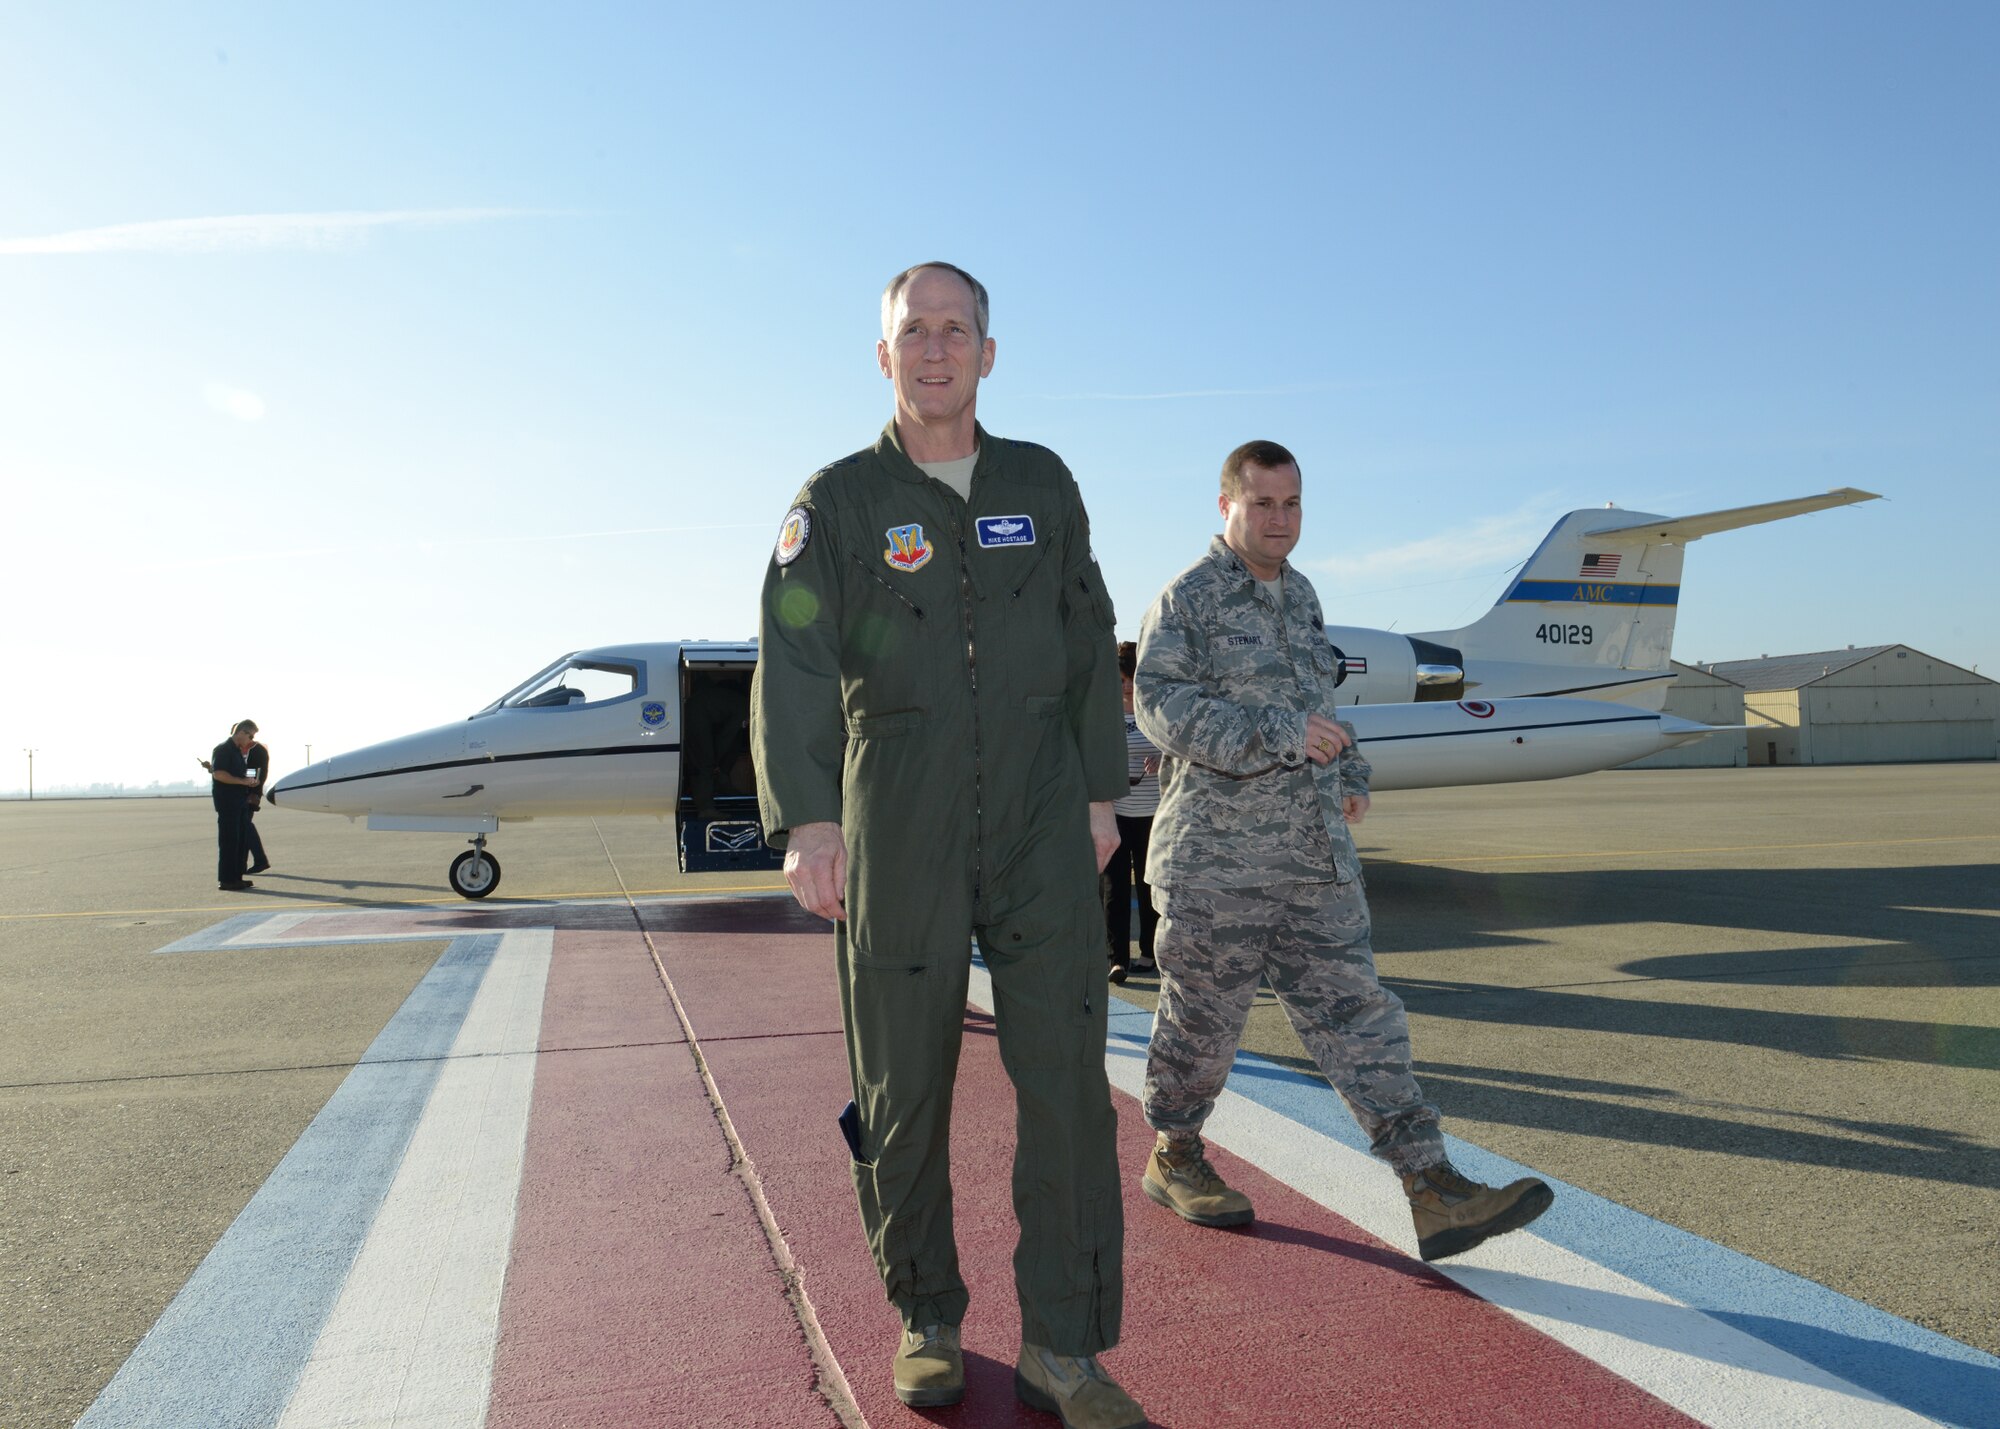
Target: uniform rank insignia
<point>1006,530</point>
<point>908,550</point>
<point>792,535</point>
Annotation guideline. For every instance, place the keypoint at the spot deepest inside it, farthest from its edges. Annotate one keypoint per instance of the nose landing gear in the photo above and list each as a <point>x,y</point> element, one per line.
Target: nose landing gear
<point>475,873</point>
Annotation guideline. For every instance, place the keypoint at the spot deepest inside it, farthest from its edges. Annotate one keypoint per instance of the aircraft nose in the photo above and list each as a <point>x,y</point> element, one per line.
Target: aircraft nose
<point>291,791</point>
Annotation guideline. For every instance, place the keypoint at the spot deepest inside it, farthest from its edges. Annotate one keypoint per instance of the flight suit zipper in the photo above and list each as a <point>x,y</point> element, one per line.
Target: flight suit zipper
<point>972,677</point>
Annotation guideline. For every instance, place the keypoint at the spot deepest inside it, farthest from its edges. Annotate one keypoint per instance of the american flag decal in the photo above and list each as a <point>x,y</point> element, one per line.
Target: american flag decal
<point>1599,566</point>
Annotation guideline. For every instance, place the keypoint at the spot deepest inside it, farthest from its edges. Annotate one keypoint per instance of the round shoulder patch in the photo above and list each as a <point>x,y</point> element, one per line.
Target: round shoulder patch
<point>792,535</point>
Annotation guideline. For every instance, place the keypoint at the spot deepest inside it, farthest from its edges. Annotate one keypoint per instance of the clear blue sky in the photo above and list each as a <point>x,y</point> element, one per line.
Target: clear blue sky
<point>545,312</point>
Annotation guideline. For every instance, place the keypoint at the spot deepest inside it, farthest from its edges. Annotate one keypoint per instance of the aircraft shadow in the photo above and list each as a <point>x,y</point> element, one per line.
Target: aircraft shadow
<point>1936,926</point>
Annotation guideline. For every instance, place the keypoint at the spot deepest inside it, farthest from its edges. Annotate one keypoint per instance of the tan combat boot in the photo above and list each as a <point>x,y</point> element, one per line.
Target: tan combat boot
<point>930,1370</point>
<point>1074,1387</point>
<point>1454,1214</point>
<point>1179,1177</point>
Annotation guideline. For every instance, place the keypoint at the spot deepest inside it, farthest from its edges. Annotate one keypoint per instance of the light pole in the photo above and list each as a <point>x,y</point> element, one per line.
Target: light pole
<point>309,754</point>
<point>31,773</point>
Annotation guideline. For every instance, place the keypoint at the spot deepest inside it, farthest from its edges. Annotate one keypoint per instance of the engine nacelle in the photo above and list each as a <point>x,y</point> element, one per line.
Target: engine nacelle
<point>1380,667</point>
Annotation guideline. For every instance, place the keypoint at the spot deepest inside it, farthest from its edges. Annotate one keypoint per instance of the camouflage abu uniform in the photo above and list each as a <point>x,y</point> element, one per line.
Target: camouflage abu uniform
<point>1252,864</point>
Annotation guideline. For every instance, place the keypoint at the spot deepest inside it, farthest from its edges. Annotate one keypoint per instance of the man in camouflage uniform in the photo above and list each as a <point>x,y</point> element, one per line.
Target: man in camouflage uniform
<point>935,720</point>
<point>1256,874</point>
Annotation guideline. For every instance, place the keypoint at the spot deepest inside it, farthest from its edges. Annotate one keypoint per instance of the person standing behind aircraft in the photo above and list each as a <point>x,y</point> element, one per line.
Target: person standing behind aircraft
<point>1257,876</point>
<point>257,759</point>
<point>935,725</point>
<point>229,788</point>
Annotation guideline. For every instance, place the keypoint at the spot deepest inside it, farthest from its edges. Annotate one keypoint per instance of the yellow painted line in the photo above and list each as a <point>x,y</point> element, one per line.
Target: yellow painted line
<point>1716,848</point>
<point>289,905</point>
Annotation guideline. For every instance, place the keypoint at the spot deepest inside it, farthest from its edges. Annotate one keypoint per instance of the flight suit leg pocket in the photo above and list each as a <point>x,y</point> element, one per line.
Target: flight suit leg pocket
<point>891,997</point>
<point>1048,985</point>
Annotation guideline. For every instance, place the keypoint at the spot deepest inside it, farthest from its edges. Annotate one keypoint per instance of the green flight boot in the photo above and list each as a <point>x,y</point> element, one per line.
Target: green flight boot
<point>1454,1214</point>
<point>1179,1177</point>
<point>1074,1387</point>
<point>930,1370</point>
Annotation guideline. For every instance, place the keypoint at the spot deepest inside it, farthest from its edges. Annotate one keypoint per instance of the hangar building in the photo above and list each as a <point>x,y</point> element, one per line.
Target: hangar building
<point>1872,704</point>
<point>1703,695</point>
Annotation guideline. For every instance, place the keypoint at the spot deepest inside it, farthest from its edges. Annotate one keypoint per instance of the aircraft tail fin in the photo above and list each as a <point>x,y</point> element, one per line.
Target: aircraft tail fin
<point>1592,611</point>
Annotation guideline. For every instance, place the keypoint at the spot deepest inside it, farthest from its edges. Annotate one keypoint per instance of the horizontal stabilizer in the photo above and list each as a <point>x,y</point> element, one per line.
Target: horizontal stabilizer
<point>1693,528</point>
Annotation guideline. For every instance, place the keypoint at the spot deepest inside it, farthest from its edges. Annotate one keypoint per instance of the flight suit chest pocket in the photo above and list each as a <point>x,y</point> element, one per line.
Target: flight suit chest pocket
<point>903,563</point>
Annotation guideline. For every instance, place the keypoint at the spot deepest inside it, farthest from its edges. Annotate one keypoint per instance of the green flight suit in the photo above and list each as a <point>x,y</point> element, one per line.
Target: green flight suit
<point>940,677</point>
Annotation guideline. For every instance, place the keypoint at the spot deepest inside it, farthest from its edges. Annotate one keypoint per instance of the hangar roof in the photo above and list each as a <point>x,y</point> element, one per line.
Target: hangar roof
<point>1788,672</point>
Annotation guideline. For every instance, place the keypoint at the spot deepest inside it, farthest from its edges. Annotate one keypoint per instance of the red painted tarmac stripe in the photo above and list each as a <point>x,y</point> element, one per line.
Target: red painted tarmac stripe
<point>640,1290</point>
<point>1302,1320</point>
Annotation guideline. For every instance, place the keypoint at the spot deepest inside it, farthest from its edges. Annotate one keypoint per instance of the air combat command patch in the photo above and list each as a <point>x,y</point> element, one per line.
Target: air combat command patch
<point>908,550</point>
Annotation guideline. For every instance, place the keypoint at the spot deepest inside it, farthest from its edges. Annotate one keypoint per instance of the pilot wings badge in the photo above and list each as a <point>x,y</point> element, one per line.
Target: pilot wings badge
<point>908,550</point>
<point>1006,530</point>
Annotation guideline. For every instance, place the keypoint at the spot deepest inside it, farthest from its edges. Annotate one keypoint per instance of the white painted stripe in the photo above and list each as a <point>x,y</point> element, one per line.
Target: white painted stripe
<point>275,926</point>
<point>1694,1362</point>
<point>1701,1366</point>
<point>411,1339</point>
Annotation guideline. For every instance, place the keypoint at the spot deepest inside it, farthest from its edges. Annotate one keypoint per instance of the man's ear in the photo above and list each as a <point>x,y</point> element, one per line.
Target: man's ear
<point>882,357</point>
<point>1222,505</point>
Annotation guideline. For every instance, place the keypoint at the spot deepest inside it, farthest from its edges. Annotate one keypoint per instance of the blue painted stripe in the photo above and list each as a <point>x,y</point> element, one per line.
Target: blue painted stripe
<point>1594,593</point>
<point>229,1350</point>
<point>1902,1362</point>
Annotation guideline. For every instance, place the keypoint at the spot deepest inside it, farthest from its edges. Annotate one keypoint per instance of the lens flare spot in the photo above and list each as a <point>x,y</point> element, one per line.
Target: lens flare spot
<point>798,606</point>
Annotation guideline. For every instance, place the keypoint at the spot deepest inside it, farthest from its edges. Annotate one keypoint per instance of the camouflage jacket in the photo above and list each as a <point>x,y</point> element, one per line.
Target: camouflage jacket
<point>1224,685</point>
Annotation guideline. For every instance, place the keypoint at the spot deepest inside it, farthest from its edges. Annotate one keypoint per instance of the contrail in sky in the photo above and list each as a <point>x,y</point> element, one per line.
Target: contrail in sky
<point>237,233</point>
<point>421,546</point>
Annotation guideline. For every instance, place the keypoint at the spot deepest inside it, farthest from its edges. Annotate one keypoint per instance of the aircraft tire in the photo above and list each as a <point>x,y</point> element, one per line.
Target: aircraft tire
<point>470,880</point>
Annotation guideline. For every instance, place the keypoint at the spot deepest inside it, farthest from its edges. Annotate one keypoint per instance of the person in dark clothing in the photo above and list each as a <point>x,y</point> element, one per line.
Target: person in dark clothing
<point>258,758</point>
<point>231,787</point>
<point>1134,812</point>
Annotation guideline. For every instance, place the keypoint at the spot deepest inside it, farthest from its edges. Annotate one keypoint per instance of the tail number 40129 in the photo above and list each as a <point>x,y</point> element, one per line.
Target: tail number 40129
<point>1563,634</point>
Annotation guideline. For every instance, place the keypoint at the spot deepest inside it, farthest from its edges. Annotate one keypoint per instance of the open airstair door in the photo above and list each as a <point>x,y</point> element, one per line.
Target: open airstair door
<point>716,827</point>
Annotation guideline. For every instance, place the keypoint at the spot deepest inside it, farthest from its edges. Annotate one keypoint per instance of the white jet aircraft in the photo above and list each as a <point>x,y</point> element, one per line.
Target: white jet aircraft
<point>1570,667</point>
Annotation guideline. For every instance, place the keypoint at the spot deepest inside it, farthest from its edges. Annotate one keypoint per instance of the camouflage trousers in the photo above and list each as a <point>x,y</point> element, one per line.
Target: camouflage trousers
<point>1311,940</point>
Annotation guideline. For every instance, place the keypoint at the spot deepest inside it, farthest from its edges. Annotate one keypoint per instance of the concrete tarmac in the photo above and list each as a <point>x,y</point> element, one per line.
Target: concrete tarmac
<point>1762,1005</point>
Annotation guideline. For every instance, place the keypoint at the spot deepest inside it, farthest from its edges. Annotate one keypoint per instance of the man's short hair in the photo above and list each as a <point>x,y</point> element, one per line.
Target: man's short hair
<point>244,726</point>
<point>1128,659</point>
<point>902,281</point>
<point>1258,453</point>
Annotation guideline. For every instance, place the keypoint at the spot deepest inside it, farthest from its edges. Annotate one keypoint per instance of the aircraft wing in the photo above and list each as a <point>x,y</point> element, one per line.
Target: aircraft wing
<point>1693,528</point>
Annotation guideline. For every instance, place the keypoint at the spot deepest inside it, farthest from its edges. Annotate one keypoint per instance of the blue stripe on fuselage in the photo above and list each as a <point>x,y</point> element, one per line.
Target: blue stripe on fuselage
<point>1595,593</point>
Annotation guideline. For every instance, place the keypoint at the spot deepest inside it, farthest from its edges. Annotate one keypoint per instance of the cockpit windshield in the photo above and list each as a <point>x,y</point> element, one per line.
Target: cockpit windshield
<point>571,681</point>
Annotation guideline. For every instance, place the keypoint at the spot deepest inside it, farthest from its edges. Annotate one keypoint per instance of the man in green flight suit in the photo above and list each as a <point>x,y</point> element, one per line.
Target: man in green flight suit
<point>937,731</point>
